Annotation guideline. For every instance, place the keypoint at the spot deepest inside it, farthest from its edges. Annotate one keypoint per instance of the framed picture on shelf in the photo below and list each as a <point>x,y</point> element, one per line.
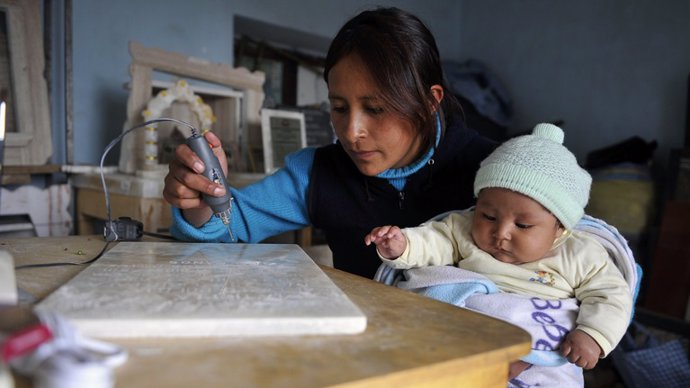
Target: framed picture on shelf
<point>282,132</point>
<point>318,122</point>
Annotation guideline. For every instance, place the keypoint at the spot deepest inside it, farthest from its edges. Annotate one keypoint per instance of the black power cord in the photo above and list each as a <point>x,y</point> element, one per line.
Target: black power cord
<point>125,228</point>
<point>42,265</point>
<point>159,235</point>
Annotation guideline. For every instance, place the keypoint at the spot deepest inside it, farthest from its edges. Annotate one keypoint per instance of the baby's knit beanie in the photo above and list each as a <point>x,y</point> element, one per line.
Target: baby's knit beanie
<point>540,167</point>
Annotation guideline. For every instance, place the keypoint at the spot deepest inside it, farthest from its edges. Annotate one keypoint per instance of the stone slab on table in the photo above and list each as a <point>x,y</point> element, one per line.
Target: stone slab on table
<point>170,289</point>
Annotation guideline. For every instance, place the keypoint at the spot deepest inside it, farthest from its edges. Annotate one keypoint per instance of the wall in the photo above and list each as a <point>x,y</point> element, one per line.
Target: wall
<point>610,69</point>
<point>202,28</point>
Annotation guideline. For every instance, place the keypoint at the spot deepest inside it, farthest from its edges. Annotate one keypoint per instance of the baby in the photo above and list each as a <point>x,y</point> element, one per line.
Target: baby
<point>530,194</point>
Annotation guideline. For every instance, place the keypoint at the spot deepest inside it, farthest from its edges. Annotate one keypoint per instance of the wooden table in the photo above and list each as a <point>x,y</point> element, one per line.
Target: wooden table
<point>410,340</point>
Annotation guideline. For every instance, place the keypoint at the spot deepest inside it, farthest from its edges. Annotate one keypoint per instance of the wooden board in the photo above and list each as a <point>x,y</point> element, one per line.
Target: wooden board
<point>160,289</point>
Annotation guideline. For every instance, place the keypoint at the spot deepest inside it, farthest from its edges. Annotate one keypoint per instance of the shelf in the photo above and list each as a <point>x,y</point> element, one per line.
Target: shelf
<point>21,175</point>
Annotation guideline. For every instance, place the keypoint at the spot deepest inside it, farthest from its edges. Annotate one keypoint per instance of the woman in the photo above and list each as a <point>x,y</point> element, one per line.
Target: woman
<point>402,156</point>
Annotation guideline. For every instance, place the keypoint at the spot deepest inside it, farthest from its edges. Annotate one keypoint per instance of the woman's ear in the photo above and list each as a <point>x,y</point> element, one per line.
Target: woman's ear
<point>437,92</point>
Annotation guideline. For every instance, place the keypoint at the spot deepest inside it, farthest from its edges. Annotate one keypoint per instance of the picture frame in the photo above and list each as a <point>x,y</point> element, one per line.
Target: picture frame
<point>282,132</point>
<point>318,121</point>
<point>148,61</point>
<point>28,140</point>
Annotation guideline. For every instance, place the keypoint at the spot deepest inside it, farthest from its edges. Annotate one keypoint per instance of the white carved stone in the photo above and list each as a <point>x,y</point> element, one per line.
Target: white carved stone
<point>158,289</point>
<point>146,60</point>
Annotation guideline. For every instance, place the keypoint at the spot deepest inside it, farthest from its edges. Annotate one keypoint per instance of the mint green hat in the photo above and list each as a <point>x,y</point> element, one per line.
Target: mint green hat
<point>540,167</point>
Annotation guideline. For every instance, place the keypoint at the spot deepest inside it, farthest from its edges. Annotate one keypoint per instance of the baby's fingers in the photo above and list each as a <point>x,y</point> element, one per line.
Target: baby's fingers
<point>374,236</point>
<point>369,238</point>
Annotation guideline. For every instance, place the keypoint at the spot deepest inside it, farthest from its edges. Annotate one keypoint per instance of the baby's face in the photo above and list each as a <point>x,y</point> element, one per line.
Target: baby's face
<point>512,227</point>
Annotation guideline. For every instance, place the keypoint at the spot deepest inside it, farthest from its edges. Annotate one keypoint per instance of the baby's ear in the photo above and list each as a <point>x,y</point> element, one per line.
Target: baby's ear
<point>560,234</point>
<point>560,229</point>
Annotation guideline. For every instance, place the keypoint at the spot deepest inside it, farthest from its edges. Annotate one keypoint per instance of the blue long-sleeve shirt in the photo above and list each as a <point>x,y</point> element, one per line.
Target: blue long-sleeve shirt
<point>277,203</point>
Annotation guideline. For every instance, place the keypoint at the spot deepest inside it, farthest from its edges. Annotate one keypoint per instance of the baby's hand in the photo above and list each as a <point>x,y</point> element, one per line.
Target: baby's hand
<point>581,349</point>
<point>516,368</point>
<point>389,240</point>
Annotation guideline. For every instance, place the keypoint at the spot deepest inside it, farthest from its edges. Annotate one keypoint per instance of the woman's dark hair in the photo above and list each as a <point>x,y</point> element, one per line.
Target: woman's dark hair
<point>401,54</point>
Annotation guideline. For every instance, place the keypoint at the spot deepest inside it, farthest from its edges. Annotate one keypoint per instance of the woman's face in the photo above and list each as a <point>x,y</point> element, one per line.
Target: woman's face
<point>374,137</point>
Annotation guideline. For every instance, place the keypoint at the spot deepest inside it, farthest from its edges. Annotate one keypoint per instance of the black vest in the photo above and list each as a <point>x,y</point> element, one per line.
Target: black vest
<point>347,205</point>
